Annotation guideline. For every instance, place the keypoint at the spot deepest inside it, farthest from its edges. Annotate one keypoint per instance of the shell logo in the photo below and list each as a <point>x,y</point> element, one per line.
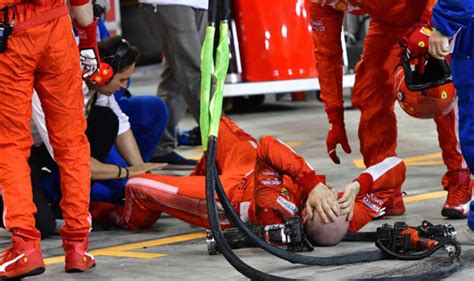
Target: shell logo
<point>284,191</point>
<point>426,31</point>
<point>342,6</point>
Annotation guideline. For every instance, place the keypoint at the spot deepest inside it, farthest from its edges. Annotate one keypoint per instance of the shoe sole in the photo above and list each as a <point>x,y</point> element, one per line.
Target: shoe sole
<point>78,270</point>
<point>37,271</point>
<point>452,214</point>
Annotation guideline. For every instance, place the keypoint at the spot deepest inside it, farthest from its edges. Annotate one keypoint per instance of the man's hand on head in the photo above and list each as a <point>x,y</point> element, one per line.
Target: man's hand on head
<point>346,202</point>
<point>323,200</point>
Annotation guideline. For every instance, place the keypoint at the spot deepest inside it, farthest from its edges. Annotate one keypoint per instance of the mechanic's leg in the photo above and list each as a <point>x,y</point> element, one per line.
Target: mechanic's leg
<point>169,87</point>
<point>181,197</point>
<point>387,176</point>
<point>457,180</point>
<point>466,124</point>
<point>374,97</point>
<point>148,119</point>
<point>180,85</point>
<point>185,26</point>
<point>106,214</point>
<point>17,66</point>
<point>59,86</point>
<point>17,74</point>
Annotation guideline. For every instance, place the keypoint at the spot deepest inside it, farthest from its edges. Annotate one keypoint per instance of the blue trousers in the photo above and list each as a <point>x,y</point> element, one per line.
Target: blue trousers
<point>462,66</point>
<point>148,119</point>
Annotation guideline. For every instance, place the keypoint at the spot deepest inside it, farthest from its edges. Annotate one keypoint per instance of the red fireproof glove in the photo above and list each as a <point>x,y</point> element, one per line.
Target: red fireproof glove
<point>336,134</point>
<point>89,52</point>
<point>416,44</point>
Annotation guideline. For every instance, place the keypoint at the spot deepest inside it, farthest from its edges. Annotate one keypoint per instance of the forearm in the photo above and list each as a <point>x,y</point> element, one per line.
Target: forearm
<point>81,11</point>
<point>128,148</point>
<point>102,171</point>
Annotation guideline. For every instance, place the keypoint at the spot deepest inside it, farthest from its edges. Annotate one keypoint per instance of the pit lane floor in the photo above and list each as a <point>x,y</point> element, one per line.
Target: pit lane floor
<point>174,250</point>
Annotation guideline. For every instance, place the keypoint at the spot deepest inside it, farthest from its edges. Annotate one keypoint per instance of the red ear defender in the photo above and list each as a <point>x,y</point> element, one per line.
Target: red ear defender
<point>103,75</point>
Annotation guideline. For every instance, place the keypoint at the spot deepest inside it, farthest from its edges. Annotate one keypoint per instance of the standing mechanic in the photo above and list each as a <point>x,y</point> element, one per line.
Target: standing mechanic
<point>38,51</point>
<point>180,25</point>
<point>454,20</point>
<point>372,93</point>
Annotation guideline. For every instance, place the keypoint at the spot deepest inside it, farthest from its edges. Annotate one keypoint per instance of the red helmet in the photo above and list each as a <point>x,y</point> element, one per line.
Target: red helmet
<point>427,95</point>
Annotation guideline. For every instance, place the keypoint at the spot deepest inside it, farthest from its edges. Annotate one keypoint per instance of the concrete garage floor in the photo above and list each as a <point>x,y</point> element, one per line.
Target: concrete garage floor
<point>174,250</point>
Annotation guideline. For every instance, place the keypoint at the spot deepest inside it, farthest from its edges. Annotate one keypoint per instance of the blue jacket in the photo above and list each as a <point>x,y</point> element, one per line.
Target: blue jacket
<point>450,15</point>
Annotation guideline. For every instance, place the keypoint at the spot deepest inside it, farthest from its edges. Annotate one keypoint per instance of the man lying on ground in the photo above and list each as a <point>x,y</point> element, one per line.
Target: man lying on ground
<point>266,183</point>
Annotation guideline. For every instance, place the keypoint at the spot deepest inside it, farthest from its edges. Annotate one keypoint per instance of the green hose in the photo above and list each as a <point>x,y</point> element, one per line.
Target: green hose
<point>220,73</point>
<point>206,77</point>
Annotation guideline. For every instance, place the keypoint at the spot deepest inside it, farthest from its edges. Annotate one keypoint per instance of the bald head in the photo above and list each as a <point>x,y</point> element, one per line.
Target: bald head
<point>329,234</point>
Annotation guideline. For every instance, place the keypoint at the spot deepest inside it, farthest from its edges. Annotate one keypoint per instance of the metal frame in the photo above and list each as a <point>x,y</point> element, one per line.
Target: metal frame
<point>284,86</point>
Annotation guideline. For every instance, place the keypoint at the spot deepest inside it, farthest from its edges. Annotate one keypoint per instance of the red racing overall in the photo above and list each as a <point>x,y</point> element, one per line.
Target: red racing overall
<point>372,93</point>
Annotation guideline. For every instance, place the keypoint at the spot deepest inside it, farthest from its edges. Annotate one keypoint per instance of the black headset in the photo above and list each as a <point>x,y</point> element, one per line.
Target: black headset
<point>110,65</point>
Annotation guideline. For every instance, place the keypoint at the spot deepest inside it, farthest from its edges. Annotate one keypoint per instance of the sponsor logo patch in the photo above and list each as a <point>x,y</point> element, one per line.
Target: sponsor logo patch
<point>372,202</point>
<point>266,173</point>
<point>287,205</point>
<point>317,25</point>
<point>271,182</point>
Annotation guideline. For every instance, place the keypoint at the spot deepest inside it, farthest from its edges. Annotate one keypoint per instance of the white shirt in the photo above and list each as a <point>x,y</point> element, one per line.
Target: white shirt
<point>38,123</point>
<point>198,4</point>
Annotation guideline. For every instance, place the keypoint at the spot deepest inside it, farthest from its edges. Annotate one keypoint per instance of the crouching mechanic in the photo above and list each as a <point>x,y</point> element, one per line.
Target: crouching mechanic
<point>265,181</point>
<point>115,154</point>
<point>391,22</point>
<point>38,51</point>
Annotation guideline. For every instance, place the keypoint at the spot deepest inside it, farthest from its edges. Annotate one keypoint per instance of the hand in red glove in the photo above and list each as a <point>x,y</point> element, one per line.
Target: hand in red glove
<point>416,43</point>
<point>89,52</point>
<point>336,134</point>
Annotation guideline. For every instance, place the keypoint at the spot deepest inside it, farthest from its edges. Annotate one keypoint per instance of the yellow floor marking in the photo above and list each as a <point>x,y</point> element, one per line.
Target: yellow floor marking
<point>423,160</point>
<point>359,163</point>
<point>123,250</point>
<point>52,260</point>
<point>295,143</point>
<point>425,196</point>
<point>138,255</point>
